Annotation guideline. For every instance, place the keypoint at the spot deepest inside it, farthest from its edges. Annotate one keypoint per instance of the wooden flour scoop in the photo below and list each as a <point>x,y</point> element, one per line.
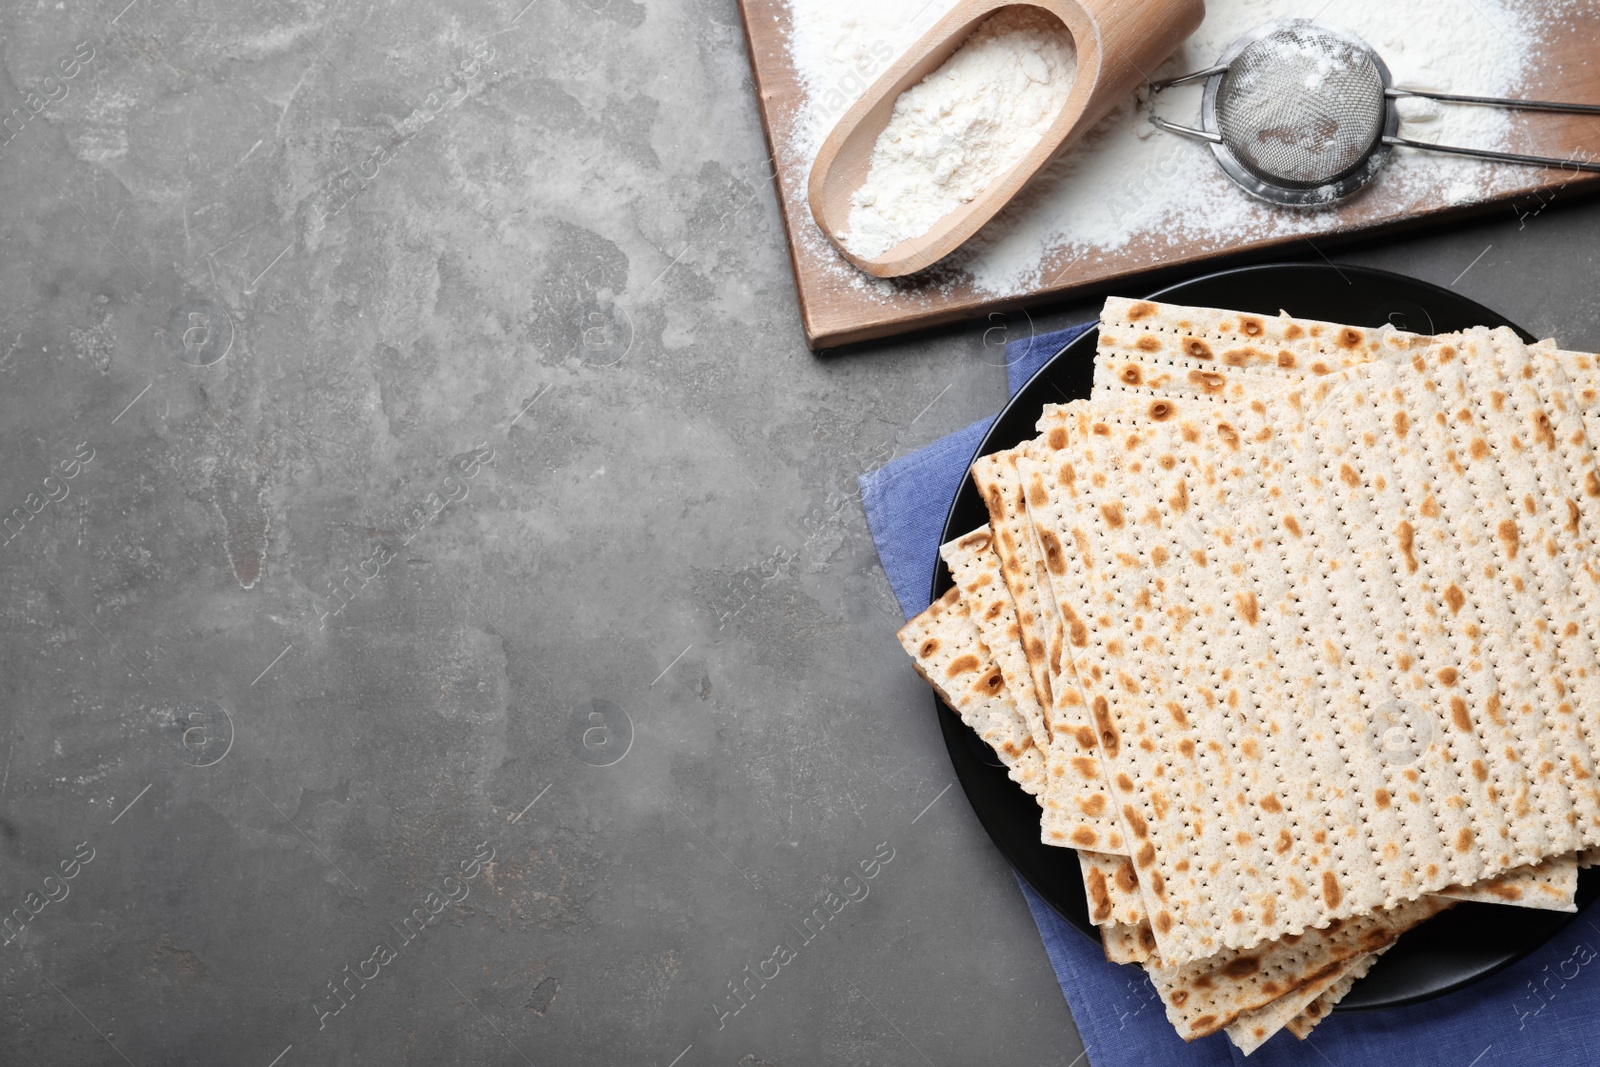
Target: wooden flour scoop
<point>1119,43</point>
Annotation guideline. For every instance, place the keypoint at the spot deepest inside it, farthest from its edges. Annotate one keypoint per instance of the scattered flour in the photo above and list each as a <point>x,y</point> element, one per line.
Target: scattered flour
<point>952,134</point>
<point>1127,184</point>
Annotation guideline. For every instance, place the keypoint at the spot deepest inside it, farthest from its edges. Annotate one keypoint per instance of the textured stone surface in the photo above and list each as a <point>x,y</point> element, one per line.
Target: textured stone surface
<point>509,350</point>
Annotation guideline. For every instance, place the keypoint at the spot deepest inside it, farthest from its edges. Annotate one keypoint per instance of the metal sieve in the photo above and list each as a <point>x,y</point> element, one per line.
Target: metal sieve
<point>1302,113</point>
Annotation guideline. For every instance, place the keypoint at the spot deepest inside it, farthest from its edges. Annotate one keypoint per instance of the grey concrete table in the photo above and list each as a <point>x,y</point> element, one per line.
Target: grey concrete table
<point>440,625</point>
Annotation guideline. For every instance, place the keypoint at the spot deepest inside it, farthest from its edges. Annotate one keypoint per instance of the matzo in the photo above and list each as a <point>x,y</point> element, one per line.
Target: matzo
<point>975,567</point>
<point>1076,541</point>
<point>1255,1027</point>
<point>943,643</point>
<point>1203,997</point>
<point>1551,886</point>
<point>1073,806</point>
<point>1127,944</point>
<point>1540,412</point>
<point>1404,824</point>
<point>1111,888</point>
<point>1502,379</point>
<point>1530,885</point>
<point>1168,349</point>
<point>1500,476</point>
<point>996,479</point>
<point>1301,1025</point>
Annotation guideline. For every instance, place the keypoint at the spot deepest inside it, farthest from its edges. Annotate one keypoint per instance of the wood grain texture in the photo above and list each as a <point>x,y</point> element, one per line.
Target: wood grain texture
<point>840,305</point>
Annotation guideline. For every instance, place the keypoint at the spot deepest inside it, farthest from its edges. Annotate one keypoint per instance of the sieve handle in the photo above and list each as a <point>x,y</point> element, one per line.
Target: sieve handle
<point>1188,131</point>
<point>1499,157</point>
<point>1492,101</point>
<point>1184,79</point>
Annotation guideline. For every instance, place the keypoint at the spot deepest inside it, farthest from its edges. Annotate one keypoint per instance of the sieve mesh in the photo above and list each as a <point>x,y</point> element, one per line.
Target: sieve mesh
<point>1301,107</point>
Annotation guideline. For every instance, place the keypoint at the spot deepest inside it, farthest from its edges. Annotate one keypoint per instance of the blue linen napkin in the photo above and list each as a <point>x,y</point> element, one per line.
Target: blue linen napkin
<point>1541,1010</point>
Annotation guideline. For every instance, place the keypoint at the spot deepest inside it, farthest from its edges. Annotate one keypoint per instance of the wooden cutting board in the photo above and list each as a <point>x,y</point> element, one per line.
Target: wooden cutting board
<point>838,305</point>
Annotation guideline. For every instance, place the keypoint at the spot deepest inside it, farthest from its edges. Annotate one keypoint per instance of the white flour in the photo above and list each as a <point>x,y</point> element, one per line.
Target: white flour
<point>964,125</point>
<point>1129,184</point>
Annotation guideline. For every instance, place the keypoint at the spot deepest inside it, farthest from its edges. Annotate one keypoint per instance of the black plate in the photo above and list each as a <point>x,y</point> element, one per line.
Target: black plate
<point>1462,945</point>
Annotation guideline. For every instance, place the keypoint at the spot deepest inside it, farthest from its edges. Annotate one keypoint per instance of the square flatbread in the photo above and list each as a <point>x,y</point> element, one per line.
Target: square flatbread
<point>1410,831</point>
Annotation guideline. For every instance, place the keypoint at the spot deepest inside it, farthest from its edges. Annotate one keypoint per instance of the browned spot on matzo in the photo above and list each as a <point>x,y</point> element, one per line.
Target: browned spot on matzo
<point>1135,822</point>
<point>1099,897</point>
<point>1248,610</point>
<point>1241,966</point>
<point>1108,733</point>
<point>1543,432</point>
<point>1406,536</point>
<point>1054,558</point>
<point>1077,631</point>
<point>1081,539</point>
<point>1126,878</point>
<point>961,665</point>
<point>1507,532</point>
<point>1175,709</point>
<point>977,540</point>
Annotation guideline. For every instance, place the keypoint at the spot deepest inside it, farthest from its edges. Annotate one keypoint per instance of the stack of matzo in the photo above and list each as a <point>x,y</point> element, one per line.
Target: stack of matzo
<point>1289,629</point>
